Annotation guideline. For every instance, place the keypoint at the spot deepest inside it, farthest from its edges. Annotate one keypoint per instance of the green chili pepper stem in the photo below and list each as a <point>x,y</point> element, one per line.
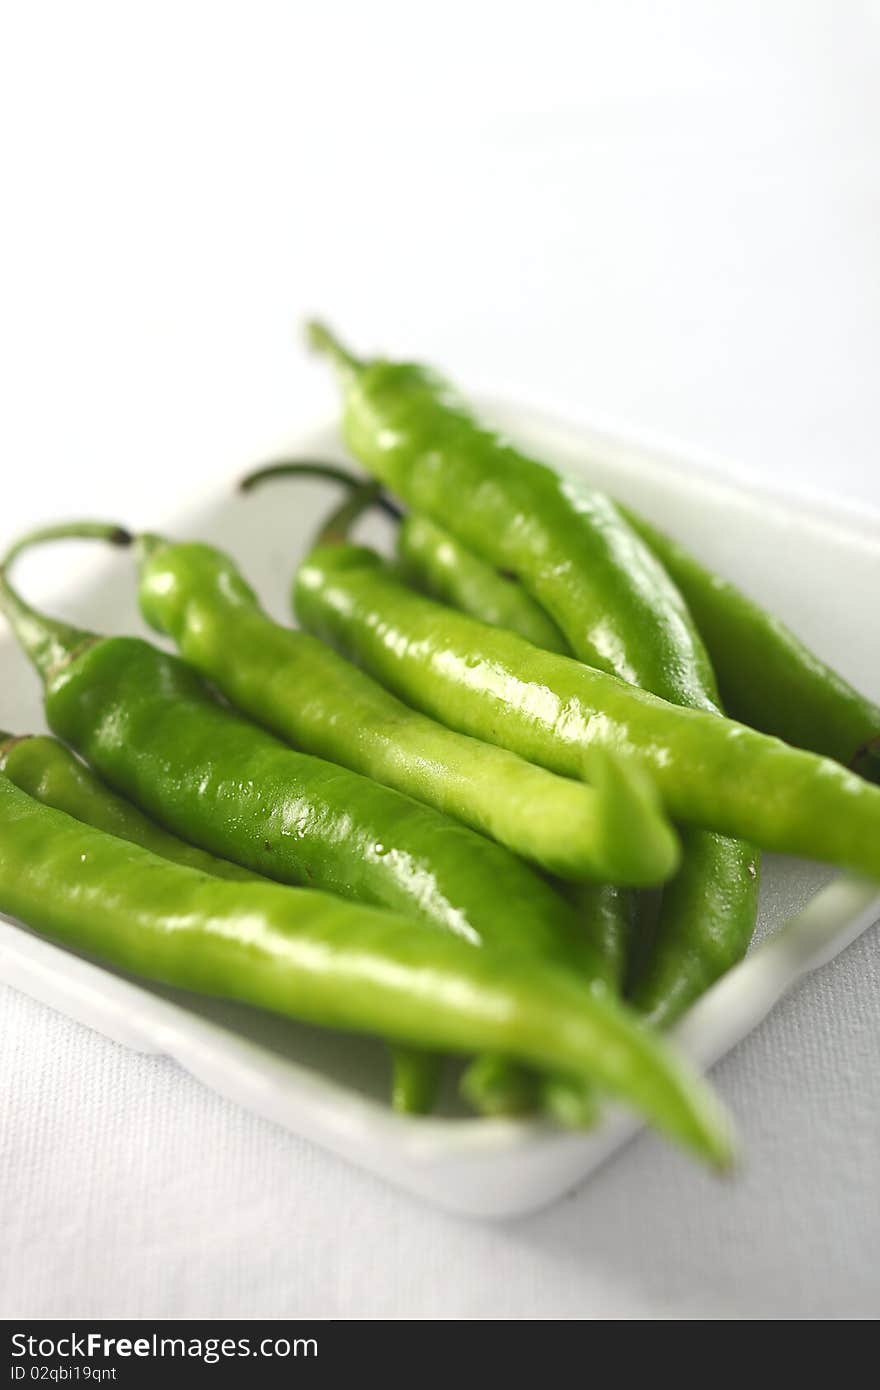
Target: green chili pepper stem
<point>322,339</point>
<point>68,531</point>
<point>336,530</point>
<point>48,642</point>
<point>146,543</point>
<point>314,468</point>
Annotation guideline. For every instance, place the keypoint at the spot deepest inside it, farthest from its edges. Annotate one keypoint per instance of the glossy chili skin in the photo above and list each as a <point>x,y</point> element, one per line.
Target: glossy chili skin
<point>711,772</point>
<point>432,560</point>
<point>573,552</point>
<point>53,775</point>
<point>317,958</point>
<point>767,676</point>
<point>146,722</point>
<point>306,693</point>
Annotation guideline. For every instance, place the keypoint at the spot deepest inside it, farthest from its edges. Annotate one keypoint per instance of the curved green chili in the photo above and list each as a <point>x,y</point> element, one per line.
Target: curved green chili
<point>432,560</point>
<point>319,959</point>
<point>767,676</point>
<point>711,772</point>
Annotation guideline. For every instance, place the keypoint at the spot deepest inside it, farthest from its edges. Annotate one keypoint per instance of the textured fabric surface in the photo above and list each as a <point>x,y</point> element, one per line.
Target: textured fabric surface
<point>664,214</point>
<point>130,1190</point>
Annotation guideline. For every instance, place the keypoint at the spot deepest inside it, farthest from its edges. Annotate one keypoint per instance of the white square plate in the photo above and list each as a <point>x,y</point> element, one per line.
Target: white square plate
<point>813,564</point>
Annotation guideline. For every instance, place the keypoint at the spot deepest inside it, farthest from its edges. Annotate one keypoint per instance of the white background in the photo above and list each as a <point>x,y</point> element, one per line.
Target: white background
<point>664,214</point>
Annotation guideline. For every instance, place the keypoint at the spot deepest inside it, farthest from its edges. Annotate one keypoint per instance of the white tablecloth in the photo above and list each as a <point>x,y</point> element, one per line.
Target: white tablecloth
<point>664,214</point>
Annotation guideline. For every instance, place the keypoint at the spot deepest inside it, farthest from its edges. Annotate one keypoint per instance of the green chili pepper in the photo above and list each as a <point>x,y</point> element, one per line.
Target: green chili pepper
<point>606,912</point>
<point>304,692</point>
<point>768,677</point>
<point>52,774</point>
<point>576,556</point>
<point>313,957</point>
<point>150,727</point>
<point>432,560</point>
<point>711,772</point>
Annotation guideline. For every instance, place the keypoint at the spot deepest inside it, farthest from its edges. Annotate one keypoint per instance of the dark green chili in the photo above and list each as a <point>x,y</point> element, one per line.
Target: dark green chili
<point>768,677</point>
